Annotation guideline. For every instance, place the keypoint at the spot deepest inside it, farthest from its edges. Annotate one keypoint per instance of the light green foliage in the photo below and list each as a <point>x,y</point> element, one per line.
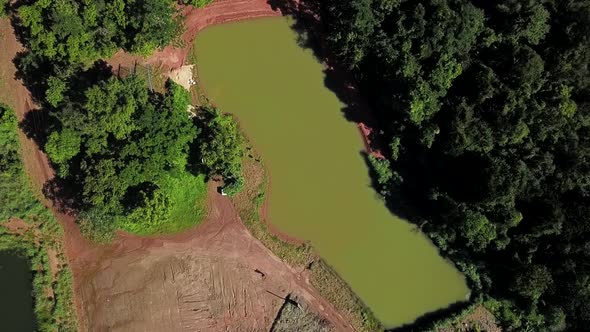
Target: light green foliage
<point>71,31</point>
<point>395,146</point>
<point>567,106</point>
<point>197,3</point>
<point>382,168</point>
<point>477,230</point>
<point>62,146</point>
<point>221,147</point>
<point>384,174</point>
<point>18,201</point>
<point>176,206</point>
<point>4,7</point>
<point>122,146</point>
<point>14,201</point>
<point>55,90</point>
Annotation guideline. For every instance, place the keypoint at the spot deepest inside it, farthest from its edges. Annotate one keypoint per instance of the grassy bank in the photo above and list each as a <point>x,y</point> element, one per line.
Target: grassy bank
<point>39,237</point>
<point>248,203</point>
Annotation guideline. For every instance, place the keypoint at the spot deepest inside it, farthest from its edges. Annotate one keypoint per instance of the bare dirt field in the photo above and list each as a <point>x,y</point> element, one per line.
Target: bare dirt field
<point>216,277</point>
<point>196,19</point>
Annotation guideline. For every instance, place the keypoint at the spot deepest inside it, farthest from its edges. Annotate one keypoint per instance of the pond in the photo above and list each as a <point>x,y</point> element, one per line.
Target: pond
<point>320,186</point>
<point>16,302</point>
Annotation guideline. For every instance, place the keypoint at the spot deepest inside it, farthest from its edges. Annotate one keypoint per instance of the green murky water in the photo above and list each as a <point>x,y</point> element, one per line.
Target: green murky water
<point>320,187</point>
<point>16,302</point>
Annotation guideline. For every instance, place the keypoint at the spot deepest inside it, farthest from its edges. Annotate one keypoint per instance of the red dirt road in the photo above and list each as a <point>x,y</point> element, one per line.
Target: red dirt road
<point>202,280</point>
<point>196,19</point>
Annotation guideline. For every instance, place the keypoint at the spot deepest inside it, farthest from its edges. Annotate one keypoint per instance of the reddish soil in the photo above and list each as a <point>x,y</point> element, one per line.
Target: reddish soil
<point>202,280</point>
<point>218,12</point>
<point>17,226</point>
<point>205,279</point>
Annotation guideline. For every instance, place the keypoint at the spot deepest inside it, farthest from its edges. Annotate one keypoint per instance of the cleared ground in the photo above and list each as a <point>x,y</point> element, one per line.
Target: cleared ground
<point>216,277</point>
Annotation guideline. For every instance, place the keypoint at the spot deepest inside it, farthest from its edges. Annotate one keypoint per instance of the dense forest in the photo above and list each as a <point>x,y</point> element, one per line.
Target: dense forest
<point>484,110</point>
<point>126,157</point>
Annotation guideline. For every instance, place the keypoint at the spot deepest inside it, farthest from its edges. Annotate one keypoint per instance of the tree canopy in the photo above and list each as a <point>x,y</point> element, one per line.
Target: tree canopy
<point>485,108</point>
<point>120,144</point>
<point>70,31</point>
<point>221,147</point>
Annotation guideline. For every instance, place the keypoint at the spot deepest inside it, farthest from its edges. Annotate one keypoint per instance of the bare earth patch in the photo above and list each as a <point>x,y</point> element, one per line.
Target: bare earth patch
<point>196,19</point>
<point>216,277</point>
<point>183,76</point>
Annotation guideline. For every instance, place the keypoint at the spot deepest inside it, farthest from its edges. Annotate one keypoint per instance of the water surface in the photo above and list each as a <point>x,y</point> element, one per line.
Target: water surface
<point>16,302</point>
<point>320,187</point>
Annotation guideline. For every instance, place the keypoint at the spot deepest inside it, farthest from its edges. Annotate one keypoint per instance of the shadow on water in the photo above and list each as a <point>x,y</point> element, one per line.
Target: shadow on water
<point>16,286</point>
<point>338,79</point>
<point>425,321</point>
<point>310,32</point>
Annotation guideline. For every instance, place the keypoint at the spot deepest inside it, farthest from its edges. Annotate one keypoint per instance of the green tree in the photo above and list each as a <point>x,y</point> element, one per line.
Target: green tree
<point>532,282</point>
<point>221,147</point>
<point>118,143</point>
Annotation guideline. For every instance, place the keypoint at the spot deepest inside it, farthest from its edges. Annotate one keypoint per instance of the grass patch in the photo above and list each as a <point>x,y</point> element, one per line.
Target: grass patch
<point>183,207</point>
<point>329,284</point>
<point>53,312</point>
<point>187,195</point>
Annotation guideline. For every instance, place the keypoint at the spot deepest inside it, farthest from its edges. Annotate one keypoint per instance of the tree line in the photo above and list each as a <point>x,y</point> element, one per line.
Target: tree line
<point>125,157</point>
<point>52,313</point>
<point>484,109</point>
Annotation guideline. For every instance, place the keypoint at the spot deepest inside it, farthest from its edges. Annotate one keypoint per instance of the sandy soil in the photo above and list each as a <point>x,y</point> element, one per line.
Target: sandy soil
<point>182,76</point>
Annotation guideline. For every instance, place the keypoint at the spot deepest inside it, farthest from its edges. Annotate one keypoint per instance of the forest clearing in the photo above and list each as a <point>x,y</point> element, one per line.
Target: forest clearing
<point>197,165</point>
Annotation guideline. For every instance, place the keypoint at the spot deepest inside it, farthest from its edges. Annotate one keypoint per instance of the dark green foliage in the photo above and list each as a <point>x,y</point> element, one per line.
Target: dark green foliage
<point>120,145</point>
<point>221,147</point>
<point>485,105</point>
<point>69,31</point>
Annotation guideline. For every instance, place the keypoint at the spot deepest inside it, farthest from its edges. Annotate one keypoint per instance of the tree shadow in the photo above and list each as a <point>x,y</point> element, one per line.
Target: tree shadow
<point>403,200</point>
<point>311,35</point>
<point>65,194</point>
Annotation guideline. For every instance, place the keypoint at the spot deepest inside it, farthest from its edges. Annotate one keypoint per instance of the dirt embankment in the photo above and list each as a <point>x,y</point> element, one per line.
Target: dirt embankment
<point>197,19</point>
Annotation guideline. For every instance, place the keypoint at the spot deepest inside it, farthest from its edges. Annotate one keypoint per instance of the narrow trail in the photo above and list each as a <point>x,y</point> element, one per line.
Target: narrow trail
<point>221,239</point>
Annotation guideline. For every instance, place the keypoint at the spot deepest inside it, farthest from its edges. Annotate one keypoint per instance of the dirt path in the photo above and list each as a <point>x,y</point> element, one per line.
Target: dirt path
<point>201,280</point>
<point>196,19</point>
<point>205,279</point>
